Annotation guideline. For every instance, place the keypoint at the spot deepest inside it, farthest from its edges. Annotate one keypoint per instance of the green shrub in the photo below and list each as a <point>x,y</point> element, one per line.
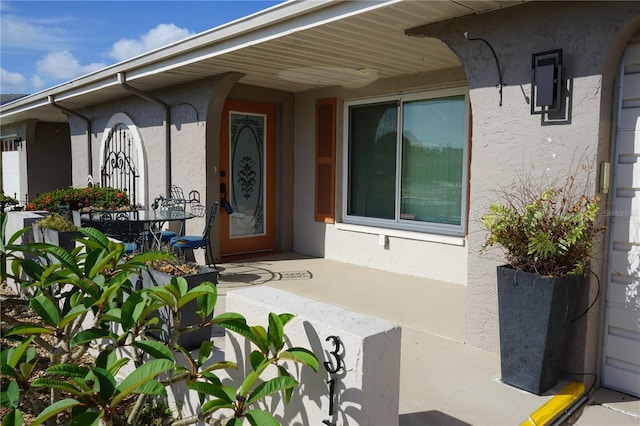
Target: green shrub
<point>80,199</point>
<point>57,223</point>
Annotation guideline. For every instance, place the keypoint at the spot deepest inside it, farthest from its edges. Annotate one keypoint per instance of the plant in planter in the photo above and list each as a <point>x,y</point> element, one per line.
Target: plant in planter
<point>547,236</point>
<point>55,229</point>
<point>162,271</point>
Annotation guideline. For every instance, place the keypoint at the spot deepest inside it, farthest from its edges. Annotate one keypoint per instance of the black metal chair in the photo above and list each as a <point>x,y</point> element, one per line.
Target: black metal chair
<point>199,241</point>
<point>122,226</point>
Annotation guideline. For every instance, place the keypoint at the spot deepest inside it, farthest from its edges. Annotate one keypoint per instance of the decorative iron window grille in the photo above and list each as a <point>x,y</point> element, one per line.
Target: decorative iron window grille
<point>120,163</point>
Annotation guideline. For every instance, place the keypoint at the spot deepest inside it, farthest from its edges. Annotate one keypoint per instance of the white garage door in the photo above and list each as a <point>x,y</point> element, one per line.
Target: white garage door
<point>621,370</point>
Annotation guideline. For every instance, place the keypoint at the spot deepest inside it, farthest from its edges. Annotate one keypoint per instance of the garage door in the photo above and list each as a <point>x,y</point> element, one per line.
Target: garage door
<point>621,370</point>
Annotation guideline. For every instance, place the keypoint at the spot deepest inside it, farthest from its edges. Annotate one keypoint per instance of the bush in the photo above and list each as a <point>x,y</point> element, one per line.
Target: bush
<point>545,229</point>
<point>80,199</point>
<point>56,222</point>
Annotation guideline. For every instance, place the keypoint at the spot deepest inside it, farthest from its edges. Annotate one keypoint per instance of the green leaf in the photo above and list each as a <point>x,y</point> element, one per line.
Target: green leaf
<point>261,418</point>
<point>75,312</point>
<point>14,418</point>
<point>151,387</point>
<point>88,286</point>
<point>48,382</point>
<point>214,405</point>
<point>131,310</point>
<point>105,381</point>
<point>301,355</point>
<point>139,376</point>
<point>225,393</point>
<point>287,392</point>
<point>285,318</point>
<point>207,302</point>
<point>64,257</point>
<point>260,337</point>
<point>271,386</point>
<point>206,290</point>
<point>204,351</point>
<point>178,287</point>
<point>55,409</point>
<point>27,329</point>
<point>47,310</point>
<point>88,418</point>
<point>18,352</point>
<point>221,365</point>
<point>68,370</point>
<point>86,336</point>
<point>256,358</point>
<point>163,295</point>
<point>10,397</point>
<point>155,349</point>
<point>276,332</point>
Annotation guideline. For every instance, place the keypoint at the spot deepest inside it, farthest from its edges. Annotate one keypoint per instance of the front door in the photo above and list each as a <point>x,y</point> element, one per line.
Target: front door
<point>247,181</point>
<point>621,360</point>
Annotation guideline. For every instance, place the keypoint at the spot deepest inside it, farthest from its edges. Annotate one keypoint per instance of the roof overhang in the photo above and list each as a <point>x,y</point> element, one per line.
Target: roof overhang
<point>294,46</point>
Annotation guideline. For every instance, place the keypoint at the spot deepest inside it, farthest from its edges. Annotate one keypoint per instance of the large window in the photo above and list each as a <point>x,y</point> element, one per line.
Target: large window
<point>406,162</point>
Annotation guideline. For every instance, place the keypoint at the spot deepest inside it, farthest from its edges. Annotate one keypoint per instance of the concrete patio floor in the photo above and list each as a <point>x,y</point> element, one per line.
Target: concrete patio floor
<point>443,381</point>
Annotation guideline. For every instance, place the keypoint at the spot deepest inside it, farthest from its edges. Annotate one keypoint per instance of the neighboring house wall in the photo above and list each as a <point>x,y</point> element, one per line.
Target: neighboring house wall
<point>14,163</point>
<point>48,157</point>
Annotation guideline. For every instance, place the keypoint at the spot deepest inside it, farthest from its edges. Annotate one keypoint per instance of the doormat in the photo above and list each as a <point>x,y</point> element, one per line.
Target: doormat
<point>292,275</point>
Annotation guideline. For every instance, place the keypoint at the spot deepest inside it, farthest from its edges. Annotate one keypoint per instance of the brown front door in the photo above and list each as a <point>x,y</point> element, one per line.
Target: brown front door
<point>247,178</point>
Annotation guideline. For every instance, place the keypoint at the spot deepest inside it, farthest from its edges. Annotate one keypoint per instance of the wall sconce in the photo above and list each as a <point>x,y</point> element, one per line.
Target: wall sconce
<point>546,82</point>
<point>17,143</point>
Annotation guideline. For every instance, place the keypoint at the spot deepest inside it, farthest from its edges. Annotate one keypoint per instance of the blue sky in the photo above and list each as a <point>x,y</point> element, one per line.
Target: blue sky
<point>44,43</point>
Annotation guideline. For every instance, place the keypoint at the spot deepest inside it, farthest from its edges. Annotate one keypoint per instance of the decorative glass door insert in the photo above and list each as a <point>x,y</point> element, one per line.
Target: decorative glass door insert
<point>247,166</point>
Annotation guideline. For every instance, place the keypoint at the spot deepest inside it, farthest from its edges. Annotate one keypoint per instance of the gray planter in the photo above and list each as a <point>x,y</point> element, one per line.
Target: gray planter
<point>190,339</point>
<point>64,239</point>
<point>535,315</point>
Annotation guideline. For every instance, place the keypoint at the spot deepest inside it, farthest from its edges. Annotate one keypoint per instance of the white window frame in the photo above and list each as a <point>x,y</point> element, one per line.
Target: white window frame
<point>397,223</point>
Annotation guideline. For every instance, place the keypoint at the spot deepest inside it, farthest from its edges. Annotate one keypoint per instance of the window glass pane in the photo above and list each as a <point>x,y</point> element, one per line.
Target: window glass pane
<point>372,160</point>
<point>432,160</point>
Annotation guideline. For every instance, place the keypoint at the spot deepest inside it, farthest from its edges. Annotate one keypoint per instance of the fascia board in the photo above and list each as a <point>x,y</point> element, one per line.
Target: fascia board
<point>272,23</point>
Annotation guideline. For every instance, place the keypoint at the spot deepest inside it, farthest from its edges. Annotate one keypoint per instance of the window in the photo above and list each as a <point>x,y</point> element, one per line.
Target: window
<point>406,162</point>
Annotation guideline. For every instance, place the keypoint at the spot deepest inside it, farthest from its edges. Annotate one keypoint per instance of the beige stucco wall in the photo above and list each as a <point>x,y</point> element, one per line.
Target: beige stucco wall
<point>508,139</point>
<point>430,256</point>
<point>195,118</point>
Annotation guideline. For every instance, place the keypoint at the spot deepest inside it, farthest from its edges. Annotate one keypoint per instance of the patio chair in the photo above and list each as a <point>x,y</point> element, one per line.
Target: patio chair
<point>198,241</point>
<point>198,210</point>
<point>176,192</point>
<point>123,226</point>
<point>164,208</point>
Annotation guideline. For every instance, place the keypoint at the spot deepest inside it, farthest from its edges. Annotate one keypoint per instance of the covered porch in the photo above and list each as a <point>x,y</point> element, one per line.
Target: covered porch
<point>442,380</point>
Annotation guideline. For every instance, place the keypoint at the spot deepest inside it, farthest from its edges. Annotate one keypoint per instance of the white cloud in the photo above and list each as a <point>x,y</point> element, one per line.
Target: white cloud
<point>12,82</point>
<point>24,33</point>
<point>157,37</point>
<point>37,82</point>
<point>64,66</point>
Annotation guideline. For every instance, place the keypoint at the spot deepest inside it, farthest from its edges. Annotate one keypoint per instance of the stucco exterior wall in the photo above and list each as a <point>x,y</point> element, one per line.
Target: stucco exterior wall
<point>194,143</point>
<point>430,256</point>
<point>187,105</point>
<point>507,139</point>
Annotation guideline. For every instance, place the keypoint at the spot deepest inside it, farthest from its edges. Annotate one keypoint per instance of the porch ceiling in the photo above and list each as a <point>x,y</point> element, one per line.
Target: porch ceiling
<point>294,47</point>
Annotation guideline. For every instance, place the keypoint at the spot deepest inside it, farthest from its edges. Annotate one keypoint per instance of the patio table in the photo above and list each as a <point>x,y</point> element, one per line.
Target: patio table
<point>133,226</point>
